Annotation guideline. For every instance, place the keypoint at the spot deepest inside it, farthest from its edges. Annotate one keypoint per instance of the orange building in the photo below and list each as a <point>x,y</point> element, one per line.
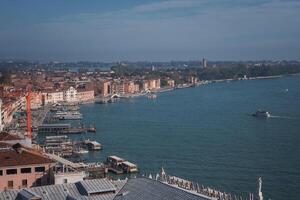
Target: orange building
<point>129,87</point>
<point>85,95</point>
<point>151,84</point>
<point>105,87</point>
<point>22,167</point>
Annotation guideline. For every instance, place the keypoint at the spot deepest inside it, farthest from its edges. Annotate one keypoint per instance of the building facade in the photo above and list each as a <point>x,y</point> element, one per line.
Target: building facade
<point>86,95</point>
<point>23,167</point>
<point>53,97</point>
<point>70,95</point>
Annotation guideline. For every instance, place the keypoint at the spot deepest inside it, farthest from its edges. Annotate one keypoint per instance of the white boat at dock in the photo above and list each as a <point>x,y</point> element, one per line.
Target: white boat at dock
<point>80,151</point>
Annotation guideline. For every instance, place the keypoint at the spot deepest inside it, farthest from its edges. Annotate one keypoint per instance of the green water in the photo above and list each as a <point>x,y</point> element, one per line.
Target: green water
<point>207,134</point>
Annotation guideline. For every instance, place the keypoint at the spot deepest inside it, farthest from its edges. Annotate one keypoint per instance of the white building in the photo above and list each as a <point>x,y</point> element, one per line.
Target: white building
<point>70,95</point>
<point>69,177</point>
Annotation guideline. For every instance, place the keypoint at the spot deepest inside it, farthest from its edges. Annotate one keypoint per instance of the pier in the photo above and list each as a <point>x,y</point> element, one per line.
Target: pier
<point>61,129</point>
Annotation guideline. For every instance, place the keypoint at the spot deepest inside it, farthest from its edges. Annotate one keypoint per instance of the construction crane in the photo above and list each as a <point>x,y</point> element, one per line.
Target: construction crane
<point>28,113</point>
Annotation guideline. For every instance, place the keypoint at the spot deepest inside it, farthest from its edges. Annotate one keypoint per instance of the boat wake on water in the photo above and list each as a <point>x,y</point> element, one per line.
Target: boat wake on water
<point>284,117</point>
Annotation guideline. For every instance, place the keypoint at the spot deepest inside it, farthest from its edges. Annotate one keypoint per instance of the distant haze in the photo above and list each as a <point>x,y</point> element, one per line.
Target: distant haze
<point>111,30</point>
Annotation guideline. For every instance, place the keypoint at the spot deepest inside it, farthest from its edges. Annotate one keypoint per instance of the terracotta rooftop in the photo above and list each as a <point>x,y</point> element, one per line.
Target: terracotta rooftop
<point>17,155</point>
<point>4,145</point>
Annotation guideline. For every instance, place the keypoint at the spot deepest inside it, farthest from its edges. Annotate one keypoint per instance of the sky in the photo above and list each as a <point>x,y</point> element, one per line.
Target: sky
<point>144,30</point>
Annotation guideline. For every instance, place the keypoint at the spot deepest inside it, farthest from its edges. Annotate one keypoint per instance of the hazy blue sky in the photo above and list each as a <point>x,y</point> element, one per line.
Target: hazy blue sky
<point>114,30</point>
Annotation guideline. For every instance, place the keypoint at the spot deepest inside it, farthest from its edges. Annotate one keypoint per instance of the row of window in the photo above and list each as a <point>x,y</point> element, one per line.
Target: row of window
<point>23,170</point>
<point>10,184</point>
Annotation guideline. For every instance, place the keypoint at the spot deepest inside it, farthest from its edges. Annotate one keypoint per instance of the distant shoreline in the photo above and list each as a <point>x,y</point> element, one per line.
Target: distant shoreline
<point>198,84</point>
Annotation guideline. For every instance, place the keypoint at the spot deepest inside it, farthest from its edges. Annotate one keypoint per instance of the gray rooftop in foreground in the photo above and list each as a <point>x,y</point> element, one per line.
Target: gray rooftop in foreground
<point>148,189</point>
<point>103,189</point>
<point>97,189</point>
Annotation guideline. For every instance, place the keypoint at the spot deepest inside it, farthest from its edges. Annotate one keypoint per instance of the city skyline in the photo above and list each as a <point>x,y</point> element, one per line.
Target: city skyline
<point>149,30</point>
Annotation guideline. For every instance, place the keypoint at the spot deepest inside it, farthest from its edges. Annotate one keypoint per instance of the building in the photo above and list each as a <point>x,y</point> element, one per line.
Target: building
<point>192,79</point>
<point>22,167</point>
<point>36,100</point>
<point>70,95</point>
<point>52,97</point>
<point>171,83</point>
<point>85,95</point>
<point>69,177</point>
<point>118,87</point>
<point>97,189</point>
<point>204,63</point>
<point>105,88</point>
<point>129,87</point>
<point>151,84</point>
<point>160,187</point>
<point>10,107</point>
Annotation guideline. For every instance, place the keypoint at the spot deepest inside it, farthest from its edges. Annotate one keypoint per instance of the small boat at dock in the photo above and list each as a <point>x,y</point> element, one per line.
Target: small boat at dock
<point>80,151</point>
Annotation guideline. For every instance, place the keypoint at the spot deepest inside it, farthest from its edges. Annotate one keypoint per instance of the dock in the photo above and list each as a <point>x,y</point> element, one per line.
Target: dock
<point>53,128</point>
<point>92,145</point>
<point>60,129</point>
<point>66,162</point>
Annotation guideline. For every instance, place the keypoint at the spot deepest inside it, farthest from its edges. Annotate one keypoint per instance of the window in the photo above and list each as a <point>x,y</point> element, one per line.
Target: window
<point>25,170</point>
<point>10,184</point>
<point>39,169</point>
<point>24,183</point>
<point>1,172</point>
<point>65,180</point>
<point>11,171</point>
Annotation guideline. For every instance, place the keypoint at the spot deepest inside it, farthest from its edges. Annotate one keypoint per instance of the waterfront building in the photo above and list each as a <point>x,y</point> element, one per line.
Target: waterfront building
<point>192,79</point>
<point>105,88</point>
<point>136,88</point>
<point>118,87</point>
<point>151,84</point>
<point>70,95</point>
<point>129,87</point>
<point>52,97</point>
<point>145,85</point>
<point>22,167</point>
<point>85,95</point>
<point>171,83</point>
